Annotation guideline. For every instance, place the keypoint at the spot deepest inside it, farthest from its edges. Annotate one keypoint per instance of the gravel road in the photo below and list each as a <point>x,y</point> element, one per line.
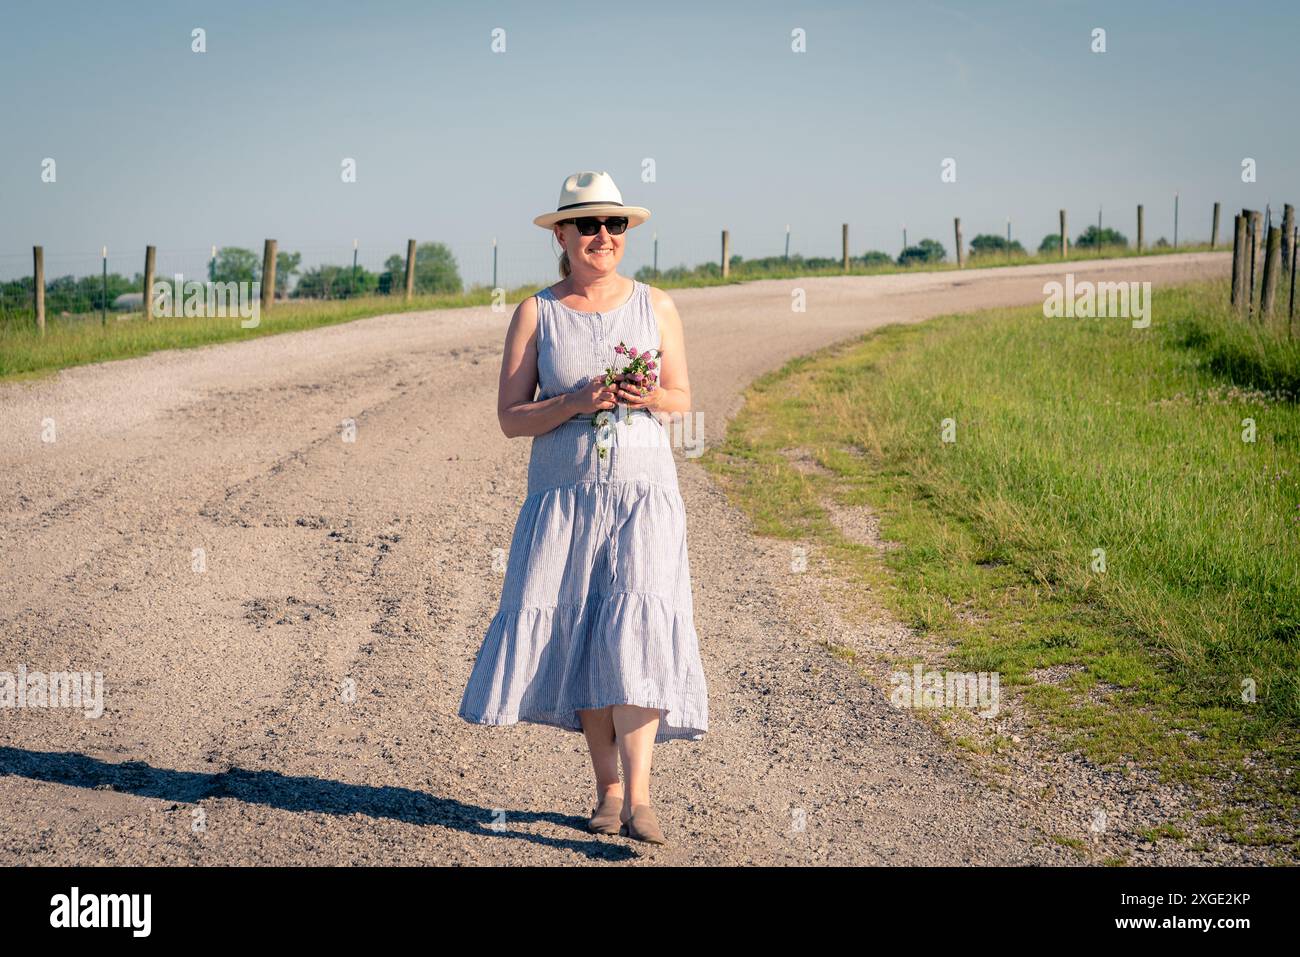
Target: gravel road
<point>230,735</point>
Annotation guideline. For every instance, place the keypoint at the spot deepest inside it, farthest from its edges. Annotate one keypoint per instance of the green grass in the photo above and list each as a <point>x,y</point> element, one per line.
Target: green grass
<point>1072,436</point>
<point>773,268</point>
<point>76,340</point>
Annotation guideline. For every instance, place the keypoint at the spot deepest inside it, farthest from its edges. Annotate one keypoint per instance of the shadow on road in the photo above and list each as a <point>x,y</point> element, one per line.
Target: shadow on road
<point>294,793</point>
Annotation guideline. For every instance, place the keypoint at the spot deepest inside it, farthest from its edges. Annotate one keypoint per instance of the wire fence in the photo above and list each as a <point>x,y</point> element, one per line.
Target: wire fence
<point>80,284</point>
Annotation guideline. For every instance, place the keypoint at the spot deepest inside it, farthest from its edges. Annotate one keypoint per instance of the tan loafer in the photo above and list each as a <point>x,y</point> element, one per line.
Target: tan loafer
<point>605,817</point>
<point>643,825</point>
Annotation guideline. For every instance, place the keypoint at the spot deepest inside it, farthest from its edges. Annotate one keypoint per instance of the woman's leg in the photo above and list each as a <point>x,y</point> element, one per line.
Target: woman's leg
<point>598,726</point>
<point>635,727</point>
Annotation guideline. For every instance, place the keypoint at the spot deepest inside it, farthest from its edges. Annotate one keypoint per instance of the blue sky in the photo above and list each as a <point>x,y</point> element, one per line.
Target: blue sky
<point>157,144</point>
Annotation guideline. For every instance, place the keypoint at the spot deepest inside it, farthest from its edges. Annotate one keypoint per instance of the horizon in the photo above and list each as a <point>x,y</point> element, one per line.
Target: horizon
<point>785,137</point>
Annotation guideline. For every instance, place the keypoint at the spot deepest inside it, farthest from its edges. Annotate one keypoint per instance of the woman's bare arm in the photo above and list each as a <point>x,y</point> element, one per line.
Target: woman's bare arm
<point>516,410</point>
<point>518,414</point>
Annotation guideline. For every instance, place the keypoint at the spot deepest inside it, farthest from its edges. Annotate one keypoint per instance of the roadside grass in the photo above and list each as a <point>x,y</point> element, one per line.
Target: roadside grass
<point>1099,514</point>
<point>80,339</point>
<point>772,268</point>
<point>83,339</point>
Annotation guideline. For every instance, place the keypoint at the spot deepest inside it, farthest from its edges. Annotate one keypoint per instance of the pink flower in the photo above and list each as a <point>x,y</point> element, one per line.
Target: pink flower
<point>637,377</point>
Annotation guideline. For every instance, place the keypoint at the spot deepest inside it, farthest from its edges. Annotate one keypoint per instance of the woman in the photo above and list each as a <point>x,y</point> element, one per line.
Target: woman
<point>595,631</point>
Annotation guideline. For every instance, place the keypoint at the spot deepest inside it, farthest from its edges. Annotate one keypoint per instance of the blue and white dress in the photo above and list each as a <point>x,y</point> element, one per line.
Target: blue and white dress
<point>596,605</point>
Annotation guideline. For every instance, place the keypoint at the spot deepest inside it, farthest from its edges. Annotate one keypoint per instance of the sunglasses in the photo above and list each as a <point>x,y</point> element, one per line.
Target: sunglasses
<point>590,225</point>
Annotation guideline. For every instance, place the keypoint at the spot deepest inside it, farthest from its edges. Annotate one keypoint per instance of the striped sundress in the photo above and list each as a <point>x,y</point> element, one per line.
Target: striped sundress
<point>596,605</point>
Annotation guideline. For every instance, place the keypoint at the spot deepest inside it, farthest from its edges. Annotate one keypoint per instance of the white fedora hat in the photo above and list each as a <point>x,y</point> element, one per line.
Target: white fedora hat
<point>591,193</point>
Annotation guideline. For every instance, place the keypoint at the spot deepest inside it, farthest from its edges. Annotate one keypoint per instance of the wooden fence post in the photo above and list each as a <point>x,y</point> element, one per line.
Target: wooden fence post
<point>1239,262</point>
<point>1257,224</point>
<point>726,254</point>
<point>1272,267</point>
<point>1252,253</point>
<point>150,257</point>
<point>1214,228</point>
<point>1288,227</point>
<point>410,269</point>
<point>844,244</point>
<point>38,286</point>
<point>1065,238</point>
<point>268,273</point>
<point>1290,312</point>
<point>956,228</point>
<point>1141,229</point>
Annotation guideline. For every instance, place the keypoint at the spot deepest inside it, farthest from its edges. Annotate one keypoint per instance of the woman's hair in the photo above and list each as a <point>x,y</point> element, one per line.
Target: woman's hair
<point>565,268</point>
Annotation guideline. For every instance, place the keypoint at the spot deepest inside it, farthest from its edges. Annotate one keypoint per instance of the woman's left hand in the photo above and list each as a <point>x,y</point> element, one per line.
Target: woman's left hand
<point>628,394</point>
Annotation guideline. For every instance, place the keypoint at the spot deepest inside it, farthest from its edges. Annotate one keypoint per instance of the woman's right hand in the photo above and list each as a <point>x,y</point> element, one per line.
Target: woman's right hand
<point>594,395</point>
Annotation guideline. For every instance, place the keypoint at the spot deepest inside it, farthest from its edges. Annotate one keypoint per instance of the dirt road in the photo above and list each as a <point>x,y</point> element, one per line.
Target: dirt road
<point>230,734</point>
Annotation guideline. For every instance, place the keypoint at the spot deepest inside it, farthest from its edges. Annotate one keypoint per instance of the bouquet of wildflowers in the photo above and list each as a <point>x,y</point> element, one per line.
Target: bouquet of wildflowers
<point>640,376</point>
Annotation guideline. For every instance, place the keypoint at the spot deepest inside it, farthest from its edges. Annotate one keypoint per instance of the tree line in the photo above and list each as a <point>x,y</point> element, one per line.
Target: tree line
<point>436,271</point>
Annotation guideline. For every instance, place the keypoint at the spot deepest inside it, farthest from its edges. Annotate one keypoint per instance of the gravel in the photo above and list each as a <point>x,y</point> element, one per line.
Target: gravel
<point>294,700</point>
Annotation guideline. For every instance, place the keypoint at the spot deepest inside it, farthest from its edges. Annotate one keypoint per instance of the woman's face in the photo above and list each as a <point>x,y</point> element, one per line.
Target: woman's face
<point>596,255</point>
